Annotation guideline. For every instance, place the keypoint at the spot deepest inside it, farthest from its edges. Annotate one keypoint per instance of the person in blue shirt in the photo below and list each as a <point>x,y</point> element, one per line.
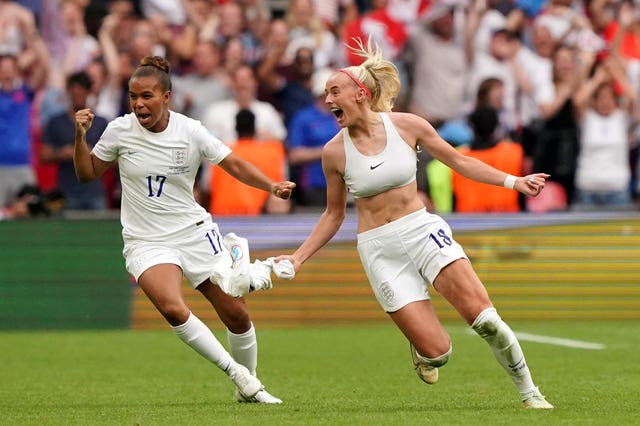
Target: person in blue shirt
<point>16,99</point>
<point>309,129</point>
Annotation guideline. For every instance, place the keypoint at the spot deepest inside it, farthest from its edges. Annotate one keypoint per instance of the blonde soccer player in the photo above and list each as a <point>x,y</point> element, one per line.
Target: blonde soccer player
<point>402,246</point>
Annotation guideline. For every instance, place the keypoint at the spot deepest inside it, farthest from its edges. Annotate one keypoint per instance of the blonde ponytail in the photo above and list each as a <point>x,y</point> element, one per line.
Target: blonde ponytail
<point>379,75</point>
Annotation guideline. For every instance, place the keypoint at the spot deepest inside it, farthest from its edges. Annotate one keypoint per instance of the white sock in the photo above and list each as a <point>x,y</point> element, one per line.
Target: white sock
<point>244,348</point>
<point>506,349</point>
<point>438,361</point>
<point>197,335</point>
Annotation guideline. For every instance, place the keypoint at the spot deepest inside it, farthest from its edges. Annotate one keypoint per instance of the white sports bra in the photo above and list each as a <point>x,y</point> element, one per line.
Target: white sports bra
<point>394,167</point>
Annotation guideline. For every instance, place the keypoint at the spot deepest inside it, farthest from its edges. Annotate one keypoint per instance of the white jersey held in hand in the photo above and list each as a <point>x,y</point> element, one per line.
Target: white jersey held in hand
<point>282,269</point>
<point>244,277</point>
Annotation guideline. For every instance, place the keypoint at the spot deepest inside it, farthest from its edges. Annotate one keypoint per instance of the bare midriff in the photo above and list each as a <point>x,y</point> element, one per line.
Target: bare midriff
<point>387,206</point>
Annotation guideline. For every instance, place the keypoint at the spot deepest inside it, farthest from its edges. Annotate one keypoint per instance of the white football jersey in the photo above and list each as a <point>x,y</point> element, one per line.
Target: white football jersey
<point>157,173</point>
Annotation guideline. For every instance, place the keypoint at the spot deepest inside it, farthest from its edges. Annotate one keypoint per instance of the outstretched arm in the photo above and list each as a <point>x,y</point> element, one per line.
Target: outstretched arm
<point>470,167</point>
<point>249,174</point>
<point>331,219</point>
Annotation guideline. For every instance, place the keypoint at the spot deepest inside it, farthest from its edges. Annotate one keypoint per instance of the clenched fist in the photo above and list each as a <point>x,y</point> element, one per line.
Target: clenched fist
<point>282,189</point>
<point>84,119</point>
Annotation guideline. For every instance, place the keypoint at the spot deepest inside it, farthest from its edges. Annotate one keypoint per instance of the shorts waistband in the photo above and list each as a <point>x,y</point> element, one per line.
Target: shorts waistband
<point>393,226</point>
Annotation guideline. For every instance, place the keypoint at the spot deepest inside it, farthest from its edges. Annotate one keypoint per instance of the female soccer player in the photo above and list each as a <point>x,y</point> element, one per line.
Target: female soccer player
<point>166,233</point>
<point>400,244</point>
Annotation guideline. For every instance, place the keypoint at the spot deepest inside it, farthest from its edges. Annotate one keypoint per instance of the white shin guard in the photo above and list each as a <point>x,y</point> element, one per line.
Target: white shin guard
<point>244,348</point>
<point>505,347</point>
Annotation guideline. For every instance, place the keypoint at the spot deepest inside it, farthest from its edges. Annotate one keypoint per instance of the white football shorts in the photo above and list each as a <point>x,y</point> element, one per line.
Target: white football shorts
<point>195,250</point>
<point>402,256</point>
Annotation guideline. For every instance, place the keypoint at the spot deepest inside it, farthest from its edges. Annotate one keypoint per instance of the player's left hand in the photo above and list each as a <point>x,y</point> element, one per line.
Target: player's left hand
<point>282,189</point>
<point>531,185</point>
<point>289,257</point>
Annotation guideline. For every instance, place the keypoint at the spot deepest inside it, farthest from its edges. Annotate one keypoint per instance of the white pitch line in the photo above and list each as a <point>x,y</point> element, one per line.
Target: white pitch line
<point>570,343</point>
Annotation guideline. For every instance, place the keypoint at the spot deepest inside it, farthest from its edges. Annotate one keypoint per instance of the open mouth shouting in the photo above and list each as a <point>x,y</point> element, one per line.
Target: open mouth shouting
<point>339,114</point>
<point>144,118</point>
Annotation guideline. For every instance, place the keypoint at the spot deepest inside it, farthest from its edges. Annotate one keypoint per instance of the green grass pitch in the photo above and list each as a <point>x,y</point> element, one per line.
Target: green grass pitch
<point>351,375</point>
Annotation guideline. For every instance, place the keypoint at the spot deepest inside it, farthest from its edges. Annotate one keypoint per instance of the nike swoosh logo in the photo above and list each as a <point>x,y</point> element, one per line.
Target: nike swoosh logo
<point>514,365</point>
<point>376,166</point>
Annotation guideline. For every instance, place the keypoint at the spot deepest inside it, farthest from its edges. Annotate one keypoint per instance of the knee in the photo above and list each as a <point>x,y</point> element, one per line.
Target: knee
<point>236,318</point>
<point>487,323</point>
<point>175,313</point>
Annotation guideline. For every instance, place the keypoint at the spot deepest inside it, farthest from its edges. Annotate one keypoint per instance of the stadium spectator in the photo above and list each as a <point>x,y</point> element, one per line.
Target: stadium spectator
<point>408,12</point>
<point>233,25</point>
<point>556,148</point>
<point>173,12</point>
<point>106,84</point>
<point>604,139</point>
<point>232,58</point>
<point>568,23</point>
<point>143,41</point>
<point>206,84</point>
<point>490,148</point>
<point>385,29</point>
<point>309,129</point>
<point>166,234</point>
<point>499,61</point>
<point>219,118</point>
<point>401,245</point>
<point>17,90</point>
<point>492,18</point>
<point>174,31</point>
<point>306,29</point>
<point>257,16</point>
<point>618,23</point>
<point>57,148</point>
<point>284,83</point>
<point>621,28</point>
<point>335,13</point>
<point>76,46</point>
<point>538,66</point>
<point>103,69</point>
<point>202,15</point>
<point>231,197</point>
<point>437,80</point>
<point>17,32</point>
<point>490,94</point>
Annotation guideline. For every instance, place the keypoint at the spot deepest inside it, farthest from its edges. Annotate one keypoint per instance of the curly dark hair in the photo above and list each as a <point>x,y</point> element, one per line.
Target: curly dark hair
<point>155,66</point>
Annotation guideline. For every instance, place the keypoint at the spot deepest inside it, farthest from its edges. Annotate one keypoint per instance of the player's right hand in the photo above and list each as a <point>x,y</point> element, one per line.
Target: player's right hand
<point>84,119</point>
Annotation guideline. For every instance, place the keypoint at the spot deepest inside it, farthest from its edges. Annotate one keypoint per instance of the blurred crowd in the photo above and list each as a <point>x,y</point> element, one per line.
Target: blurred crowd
<point>526,85</point>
